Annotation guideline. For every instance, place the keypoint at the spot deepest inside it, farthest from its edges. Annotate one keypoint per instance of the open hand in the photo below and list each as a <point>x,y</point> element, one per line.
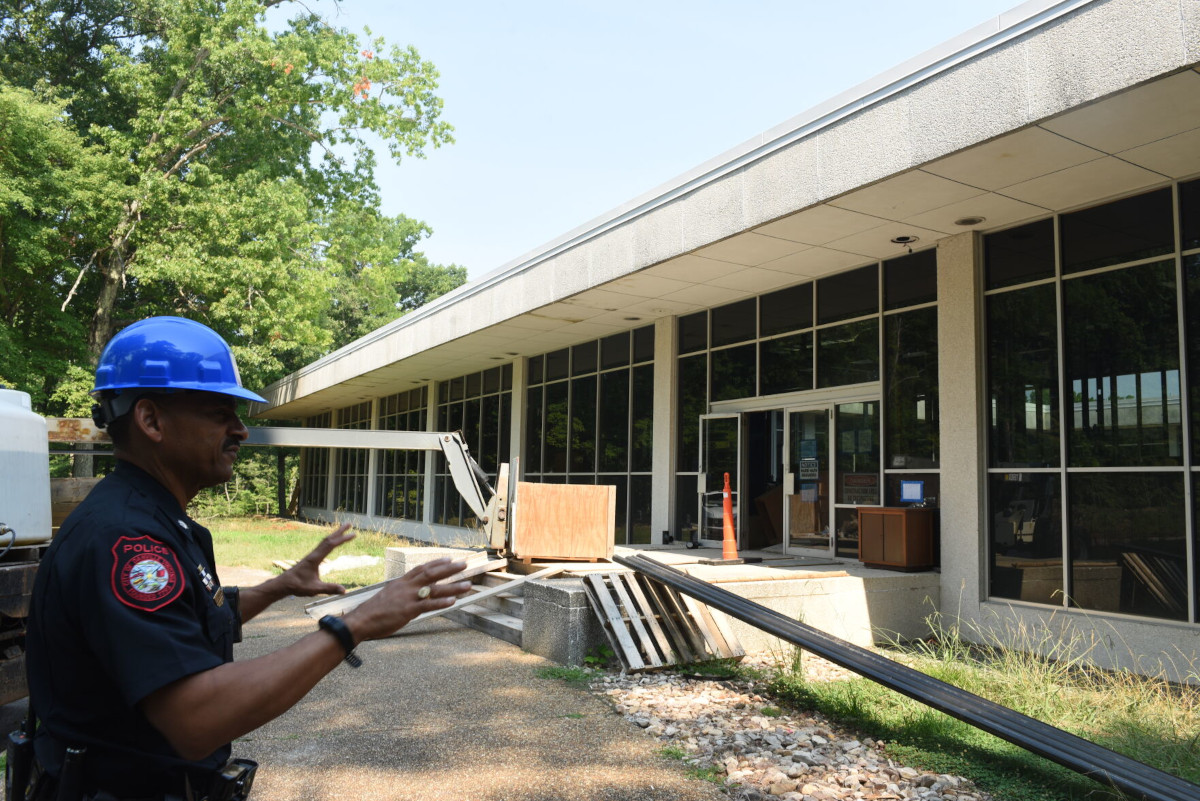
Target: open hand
<point>304,578</point>
<point>403,599</point>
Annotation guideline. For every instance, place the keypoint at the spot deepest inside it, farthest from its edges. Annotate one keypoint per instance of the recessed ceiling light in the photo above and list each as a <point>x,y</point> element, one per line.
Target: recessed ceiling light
<point>969,220</point>
<point>633,319</point>
<point>904,239</point>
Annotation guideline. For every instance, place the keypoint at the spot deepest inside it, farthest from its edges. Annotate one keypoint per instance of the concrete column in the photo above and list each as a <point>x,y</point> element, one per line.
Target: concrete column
<point>431,424</point>
<point>962,427</point>
<point>516,420</point>
<point>663,493</point>
<point>372,464</point>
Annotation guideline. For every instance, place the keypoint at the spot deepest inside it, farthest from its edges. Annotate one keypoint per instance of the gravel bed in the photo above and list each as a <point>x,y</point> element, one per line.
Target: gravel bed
<point>721,725</point>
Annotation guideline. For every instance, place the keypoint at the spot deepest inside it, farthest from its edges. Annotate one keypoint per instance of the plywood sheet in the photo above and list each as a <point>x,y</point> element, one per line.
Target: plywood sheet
<point>564,521</point>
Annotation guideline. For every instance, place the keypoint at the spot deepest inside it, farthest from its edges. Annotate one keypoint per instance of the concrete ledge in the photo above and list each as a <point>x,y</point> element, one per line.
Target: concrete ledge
<point>559,622</point>
<point>400,560</point>
<point>863,610</point>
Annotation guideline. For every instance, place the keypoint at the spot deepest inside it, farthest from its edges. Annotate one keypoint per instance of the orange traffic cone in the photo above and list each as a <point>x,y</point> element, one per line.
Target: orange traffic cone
<point>729,543</point>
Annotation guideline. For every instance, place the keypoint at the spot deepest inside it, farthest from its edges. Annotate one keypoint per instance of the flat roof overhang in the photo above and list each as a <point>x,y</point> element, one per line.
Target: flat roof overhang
<point>1051,107</point>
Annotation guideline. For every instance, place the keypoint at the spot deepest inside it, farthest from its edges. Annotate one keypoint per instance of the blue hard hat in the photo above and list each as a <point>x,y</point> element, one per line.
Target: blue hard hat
<point>169,353</point>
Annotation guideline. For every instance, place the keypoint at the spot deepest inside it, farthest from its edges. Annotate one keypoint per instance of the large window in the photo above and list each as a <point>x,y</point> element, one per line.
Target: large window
<point>1088,455</point>
<point>352,464</point>
<point>590,420</point>
<point>401,473</point>
<point>817,335</point>
<point>314,467</point>
<point>479,405</point>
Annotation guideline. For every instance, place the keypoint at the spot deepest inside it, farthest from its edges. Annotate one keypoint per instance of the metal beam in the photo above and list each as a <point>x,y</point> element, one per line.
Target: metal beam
<point>469,480</point>
<point>1137,779</point>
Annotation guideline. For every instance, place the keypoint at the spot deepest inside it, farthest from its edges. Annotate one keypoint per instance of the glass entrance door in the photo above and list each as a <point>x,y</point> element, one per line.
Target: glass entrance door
<point>856,471</point>
<point>806,480</point>
<point>720,453</point>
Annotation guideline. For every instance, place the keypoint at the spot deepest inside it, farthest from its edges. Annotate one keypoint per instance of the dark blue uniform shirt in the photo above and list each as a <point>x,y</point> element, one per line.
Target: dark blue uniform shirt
<point>125,602</point>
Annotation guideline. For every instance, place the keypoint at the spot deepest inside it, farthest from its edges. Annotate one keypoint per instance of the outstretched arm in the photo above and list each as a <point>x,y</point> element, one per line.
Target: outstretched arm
<point>303,579</point>
<point>200,713</point>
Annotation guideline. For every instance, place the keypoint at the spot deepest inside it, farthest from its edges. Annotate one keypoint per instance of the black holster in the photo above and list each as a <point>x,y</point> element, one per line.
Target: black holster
<point>18,769</point>
<point>232,782</point>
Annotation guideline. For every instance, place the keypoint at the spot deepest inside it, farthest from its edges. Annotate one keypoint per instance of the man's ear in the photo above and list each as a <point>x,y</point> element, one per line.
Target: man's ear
<point>147,419</point>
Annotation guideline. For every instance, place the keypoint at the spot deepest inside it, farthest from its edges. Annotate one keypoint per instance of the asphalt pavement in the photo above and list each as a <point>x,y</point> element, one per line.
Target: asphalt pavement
<point>444,713</point>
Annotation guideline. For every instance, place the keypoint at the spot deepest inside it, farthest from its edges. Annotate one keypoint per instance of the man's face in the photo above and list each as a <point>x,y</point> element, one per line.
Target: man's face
<point>201,436</point>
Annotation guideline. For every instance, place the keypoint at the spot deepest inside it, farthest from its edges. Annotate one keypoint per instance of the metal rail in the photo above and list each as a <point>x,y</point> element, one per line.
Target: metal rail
<point>470,481</point>
<point>1107,767</point>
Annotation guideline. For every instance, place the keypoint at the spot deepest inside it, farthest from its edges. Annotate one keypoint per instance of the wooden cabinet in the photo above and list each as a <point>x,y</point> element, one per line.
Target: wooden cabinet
<point>896,538</point>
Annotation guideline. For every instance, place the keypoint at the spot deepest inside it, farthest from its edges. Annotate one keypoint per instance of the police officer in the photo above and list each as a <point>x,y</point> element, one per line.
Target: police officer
<point>130,641</point>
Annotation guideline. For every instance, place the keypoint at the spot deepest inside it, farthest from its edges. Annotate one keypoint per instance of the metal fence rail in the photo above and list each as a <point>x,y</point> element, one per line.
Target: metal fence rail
<point>1134,778</point>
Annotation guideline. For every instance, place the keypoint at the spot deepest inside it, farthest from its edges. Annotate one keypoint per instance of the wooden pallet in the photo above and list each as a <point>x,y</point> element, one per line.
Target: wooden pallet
<point>652,626</point>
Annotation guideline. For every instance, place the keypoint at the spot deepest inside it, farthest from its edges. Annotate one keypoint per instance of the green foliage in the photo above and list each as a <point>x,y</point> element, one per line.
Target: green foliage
<point>672,752</point>
<point>203,159</point>
<point>708,773</point>
<point>600,657</point>
<point>771,711</point>
<point>575,676</point>
<point>1148,719</point>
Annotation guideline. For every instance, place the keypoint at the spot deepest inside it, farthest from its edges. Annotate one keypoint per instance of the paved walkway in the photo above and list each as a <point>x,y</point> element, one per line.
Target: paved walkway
<point>444,713</point>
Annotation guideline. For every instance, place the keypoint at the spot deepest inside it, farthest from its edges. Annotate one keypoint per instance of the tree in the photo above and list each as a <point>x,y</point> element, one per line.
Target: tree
<point>238,186</point>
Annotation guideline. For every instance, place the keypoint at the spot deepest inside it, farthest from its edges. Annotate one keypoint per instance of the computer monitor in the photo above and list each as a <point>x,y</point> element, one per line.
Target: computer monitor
<point>912,491</point>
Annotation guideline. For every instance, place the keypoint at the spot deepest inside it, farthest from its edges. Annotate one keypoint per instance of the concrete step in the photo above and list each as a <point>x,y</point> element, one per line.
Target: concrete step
<point>496,578</point>
<point>505,602</point>
<point>496,624</point>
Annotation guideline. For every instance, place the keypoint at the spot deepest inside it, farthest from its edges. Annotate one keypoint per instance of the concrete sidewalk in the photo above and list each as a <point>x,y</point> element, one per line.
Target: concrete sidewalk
<point>445,712</point>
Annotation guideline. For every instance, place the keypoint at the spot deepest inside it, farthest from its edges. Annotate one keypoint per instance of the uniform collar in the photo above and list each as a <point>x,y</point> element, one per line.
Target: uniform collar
<point>149,487</point>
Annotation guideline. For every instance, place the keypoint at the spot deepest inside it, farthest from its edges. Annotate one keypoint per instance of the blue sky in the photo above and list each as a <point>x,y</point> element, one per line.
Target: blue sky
<point>565,110</point>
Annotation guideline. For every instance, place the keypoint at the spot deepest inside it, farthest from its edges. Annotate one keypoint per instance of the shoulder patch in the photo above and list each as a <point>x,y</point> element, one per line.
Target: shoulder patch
<point>145,573</point>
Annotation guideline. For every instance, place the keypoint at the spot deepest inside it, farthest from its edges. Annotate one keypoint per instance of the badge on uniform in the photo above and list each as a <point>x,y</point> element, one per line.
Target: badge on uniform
<point>145,573</point>
<point>206,578</point>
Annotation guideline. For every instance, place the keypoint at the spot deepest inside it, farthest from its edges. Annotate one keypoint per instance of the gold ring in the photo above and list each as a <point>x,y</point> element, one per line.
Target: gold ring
<point>423,593</point>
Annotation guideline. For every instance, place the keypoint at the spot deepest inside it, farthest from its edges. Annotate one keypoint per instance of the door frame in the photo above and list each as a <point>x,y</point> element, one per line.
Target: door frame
<point>702,479</point>
<point>789,478</point>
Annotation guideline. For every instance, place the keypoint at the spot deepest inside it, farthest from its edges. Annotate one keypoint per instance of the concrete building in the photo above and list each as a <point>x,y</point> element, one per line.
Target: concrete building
<point>975,278</point>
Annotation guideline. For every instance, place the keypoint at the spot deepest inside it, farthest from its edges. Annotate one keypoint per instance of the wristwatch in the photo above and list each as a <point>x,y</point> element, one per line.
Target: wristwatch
<point>338,628</point>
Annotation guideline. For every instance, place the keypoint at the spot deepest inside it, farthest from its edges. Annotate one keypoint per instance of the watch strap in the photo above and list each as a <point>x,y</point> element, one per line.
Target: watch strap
<point>338,628</point>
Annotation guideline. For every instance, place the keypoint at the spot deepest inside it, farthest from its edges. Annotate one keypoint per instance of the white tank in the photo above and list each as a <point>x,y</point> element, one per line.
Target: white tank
<point>24,471</point>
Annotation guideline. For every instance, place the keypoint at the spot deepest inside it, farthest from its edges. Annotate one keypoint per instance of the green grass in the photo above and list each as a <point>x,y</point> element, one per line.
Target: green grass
<point>258,542</point>
<point>672,752</point>
<point>575,676</point>
<point>1150,720</point>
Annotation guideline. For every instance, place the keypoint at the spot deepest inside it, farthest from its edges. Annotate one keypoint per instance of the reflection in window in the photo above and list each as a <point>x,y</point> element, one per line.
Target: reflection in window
<point>1018,255</point>
<point>1025,537</point>
<point>847,295</point>
<point>910,280</point>
<point>351,468</point>
<point>1125,230</point>
<point>613,431</point>
<point>1022,343</point>
<point>733,323</point>
<point>691,393</point>
<point>1128,547</point>
<point>1191,272</point>
<point>315,466</point>
<point>785,364</point>
<point>848,354</point>
<point>597,427</point>
<point>1189,214</point>
<point>856,468</point>
<point>400,487</point>
<point>1122,367</point>
<point>583,424</point>
<point>911,388</point>
<point>733,372</point>
<point>786,310</point>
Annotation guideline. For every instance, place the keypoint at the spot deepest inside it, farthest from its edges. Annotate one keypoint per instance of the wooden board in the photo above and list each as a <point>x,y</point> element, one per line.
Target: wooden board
<point>652,626</point>
<point>564,521</point>
<point>341,604</point>
<point>65,495</point>
<point>74,429</point>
